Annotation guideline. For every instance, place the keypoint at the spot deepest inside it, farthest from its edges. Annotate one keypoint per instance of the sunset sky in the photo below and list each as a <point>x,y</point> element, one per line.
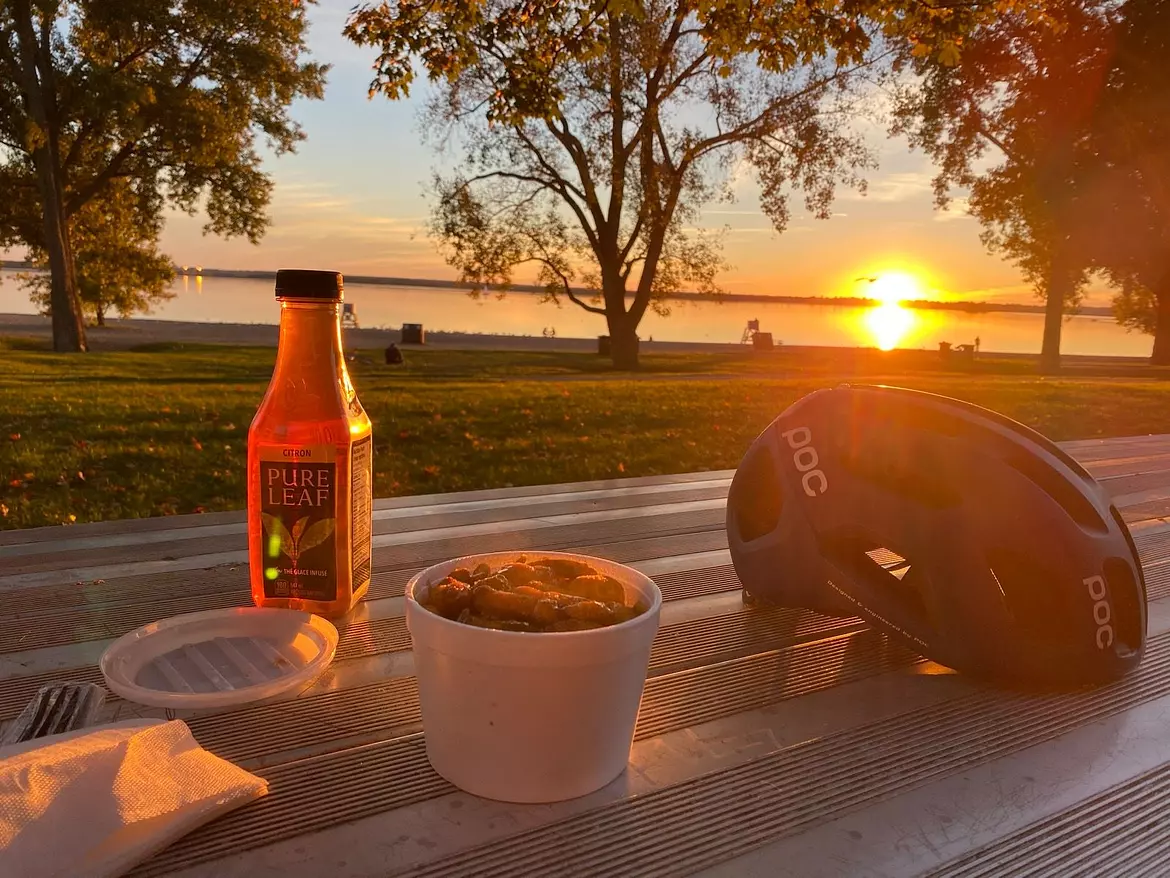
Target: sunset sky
<point>351,199</point>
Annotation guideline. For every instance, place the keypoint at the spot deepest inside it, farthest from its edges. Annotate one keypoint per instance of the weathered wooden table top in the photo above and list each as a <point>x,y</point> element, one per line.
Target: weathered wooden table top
<point>769,741</point>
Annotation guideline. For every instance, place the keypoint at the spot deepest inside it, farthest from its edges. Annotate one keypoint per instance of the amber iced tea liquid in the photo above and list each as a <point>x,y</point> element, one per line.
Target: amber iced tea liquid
<point>310,462</point>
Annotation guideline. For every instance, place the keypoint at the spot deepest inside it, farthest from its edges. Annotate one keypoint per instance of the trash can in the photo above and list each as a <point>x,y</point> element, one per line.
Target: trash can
<point>412,333</point>
<point>603,345</point>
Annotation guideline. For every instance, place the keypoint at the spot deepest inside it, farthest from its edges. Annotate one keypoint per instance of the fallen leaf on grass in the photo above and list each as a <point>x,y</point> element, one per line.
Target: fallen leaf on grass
<point>15,437</point>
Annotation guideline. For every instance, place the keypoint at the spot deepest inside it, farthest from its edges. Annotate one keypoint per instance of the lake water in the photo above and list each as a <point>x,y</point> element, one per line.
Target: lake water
<point>240,300</point>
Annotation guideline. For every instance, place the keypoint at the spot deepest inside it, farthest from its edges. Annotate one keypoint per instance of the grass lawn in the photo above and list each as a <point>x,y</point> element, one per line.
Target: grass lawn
<point>163,431</point>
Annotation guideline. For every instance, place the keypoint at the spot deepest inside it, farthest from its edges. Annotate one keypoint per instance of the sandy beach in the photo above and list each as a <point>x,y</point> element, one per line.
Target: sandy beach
<point>124,334</point>
<point>131,333</point>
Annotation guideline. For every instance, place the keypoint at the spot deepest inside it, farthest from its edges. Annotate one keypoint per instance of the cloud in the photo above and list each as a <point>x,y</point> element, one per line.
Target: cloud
<point>957,209</point>
<point>899,186</point>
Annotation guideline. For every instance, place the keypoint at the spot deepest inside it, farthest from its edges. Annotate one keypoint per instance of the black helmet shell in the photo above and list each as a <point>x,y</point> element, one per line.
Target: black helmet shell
<point>969,537</point>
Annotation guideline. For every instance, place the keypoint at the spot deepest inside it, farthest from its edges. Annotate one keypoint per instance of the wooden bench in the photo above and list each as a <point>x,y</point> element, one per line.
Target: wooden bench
<point>770,741</point>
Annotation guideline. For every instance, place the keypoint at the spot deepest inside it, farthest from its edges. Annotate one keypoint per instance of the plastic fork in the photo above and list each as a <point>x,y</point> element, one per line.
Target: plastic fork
<point>61,707</point>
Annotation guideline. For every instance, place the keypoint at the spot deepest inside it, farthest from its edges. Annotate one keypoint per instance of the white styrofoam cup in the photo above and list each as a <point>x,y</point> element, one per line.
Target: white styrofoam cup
<point>530,717</point>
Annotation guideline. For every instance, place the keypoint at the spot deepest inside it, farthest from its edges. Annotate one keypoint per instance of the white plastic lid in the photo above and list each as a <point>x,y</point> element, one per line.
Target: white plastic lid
<point>218,658</point>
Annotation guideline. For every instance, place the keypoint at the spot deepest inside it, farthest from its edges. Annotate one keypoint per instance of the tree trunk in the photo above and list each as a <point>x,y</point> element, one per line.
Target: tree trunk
<point>623,337</point>
<point>40,102</point>
<point>1059,288</point>
<point>68,323</point>
<point>100,311</point>
<point>623,348</point>
<point>1161,354</point>
<point>623,325</point>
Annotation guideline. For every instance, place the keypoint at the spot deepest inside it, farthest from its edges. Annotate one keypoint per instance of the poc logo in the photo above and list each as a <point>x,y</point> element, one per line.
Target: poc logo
<point>1102,612</point>
<point>805,458</point>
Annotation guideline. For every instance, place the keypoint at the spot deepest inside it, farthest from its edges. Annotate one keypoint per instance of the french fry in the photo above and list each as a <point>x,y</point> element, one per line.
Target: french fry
<point>622,613</point>
<point>496,604</point>
<point>517,574</point>
<point>596,587</point>
<point>449,598</point>
<point>496,581</point>
<point>541,592</point>
<point>545,614</point>
<point>566,568</point>
<point>591,611</point>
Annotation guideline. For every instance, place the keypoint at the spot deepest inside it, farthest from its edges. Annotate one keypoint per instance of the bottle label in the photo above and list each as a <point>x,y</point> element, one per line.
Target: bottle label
<point>362,492</point>
<point>298,507</point>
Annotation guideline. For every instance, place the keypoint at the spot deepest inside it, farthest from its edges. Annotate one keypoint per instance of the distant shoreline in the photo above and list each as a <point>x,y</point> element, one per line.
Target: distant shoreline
<point>827,301</point>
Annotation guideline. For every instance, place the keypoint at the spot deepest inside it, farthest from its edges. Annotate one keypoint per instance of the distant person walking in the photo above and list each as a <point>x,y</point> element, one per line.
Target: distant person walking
<point>976,344</point>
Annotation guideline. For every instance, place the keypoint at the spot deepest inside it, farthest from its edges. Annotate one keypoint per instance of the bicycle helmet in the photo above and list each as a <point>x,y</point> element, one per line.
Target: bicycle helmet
<point>970,538</point>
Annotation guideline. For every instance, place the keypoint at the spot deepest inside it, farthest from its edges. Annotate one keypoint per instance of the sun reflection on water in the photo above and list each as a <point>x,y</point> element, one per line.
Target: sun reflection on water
<point>888,324</point>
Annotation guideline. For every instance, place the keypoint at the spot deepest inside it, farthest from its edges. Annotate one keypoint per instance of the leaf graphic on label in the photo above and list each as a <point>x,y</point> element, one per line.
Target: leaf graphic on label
<point>274,527</point>
<point>317,534</point>
<point>299,528</point>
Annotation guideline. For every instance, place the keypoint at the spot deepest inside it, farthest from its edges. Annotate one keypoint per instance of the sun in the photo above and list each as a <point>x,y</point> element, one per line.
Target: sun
<point>894,287</point>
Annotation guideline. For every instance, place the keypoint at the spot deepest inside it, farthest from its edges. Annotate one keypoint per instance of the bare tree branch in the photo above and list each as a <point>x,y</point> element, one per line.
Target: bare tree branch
<point>576,152</point>
<point>567,288</point>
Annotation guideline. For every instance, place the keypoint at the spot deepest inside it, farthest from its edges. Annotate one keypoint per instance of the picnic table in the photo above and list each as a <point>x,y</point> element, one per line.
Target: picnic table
<point>770,741</point>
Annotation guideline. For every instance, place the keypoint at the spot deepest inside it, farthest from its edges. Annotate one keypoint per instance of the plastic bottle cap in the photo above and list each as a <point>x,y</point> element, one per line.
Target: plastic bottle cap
<point>305,283</point>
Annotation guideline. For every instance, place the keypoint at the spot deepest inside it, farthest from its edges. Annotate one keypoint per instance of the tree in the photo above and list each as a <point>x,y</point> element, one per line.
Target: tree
<point>1009,123</point>
<point>593,133</point>
<point>170,94</point>
<point>1136,307</point>
<point>119,266</point>
<point>1124,226</point>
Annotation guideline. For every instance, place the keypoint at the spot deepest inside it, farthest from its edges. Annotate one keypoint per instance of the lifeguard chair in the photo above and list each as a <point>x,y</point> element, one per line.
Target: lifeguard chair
<point>753,326</point>
<point>349,315</point>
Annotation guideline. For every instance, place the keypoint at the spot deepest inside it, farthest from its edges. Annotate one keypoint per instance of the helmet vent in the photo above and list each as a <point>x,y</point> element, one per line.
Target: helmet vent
<point>1137,561</point>
<point>1079,508</point>
<point>1123,596</point>
<point>759,501</point>
<point>890,561</point>
<point>880,568</point>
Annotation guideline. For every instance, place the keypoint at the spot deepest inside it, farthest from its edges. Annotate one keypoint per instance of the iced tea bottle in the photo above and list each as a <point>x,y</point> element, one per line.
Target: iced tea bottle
<point>310,461</point>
